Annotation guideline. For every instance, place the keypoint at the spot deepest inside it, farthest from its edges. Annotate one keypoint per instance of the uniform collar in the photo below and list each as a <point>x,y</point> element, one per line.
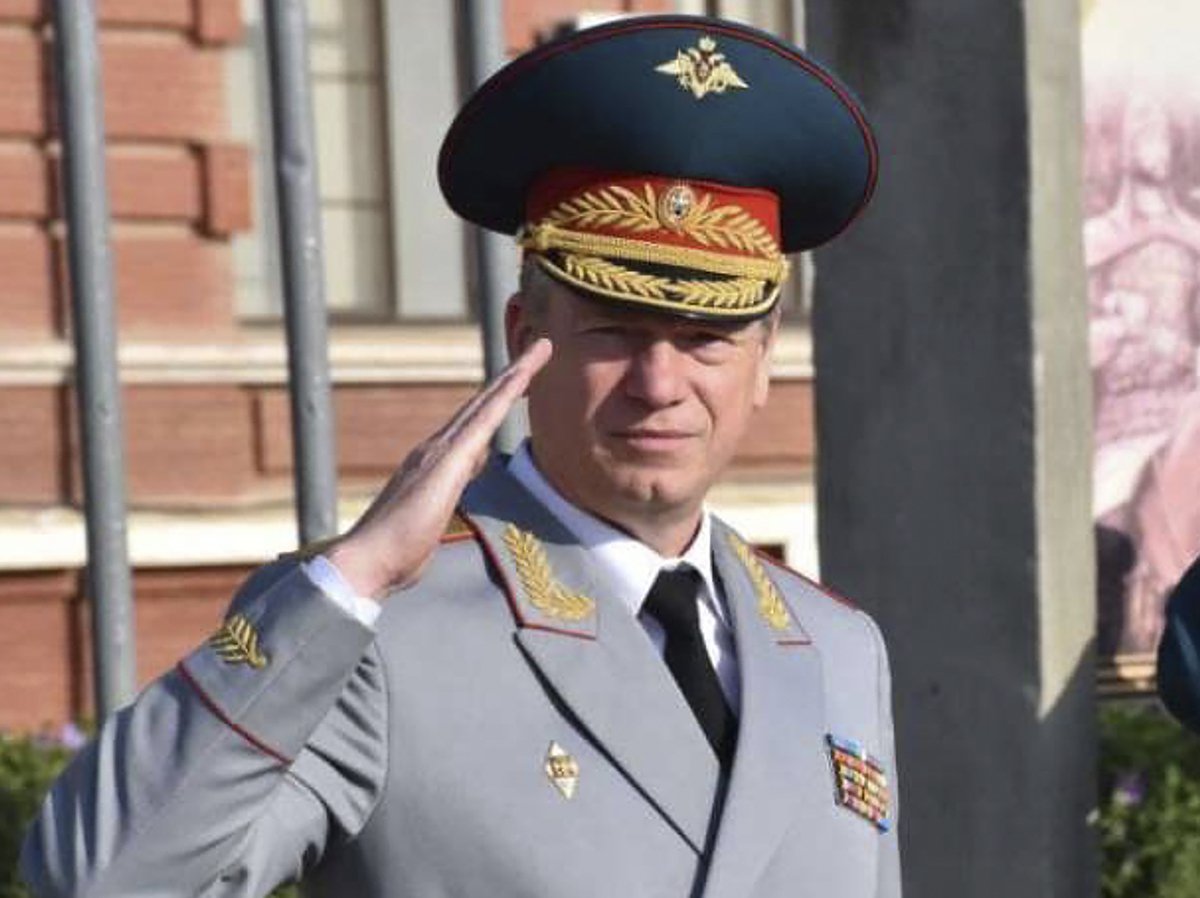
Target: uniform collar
<point>628,564</point>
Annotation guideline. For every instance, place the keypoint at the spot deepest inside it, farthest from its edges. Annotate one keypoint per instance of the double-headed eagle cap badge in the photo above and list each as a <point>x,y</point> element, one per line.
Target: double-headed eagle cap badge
<point>702,70</point>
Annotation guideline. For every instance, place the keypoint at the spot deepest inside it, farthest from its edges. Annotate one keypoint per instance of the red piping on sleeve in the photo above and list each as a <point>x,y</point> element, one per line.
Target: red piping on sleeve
<point>224,718</point>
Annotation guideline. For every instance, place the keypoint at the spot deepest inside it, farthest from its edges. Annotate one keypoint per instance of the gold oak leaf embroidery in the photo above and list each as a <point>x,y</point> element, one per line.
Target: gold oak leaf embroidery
<point>601,273</point>
<point>544,592</point>
<point>727,227</point>
<point>770,603</point>
<point>736,294</point>
<point>613,206</point>
<point>237,643</point>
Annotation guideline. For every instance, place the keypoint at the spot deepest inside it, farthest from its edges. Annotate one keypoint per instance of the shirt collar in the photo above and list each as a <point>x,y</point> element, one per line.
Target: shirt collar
<point>627,563</point>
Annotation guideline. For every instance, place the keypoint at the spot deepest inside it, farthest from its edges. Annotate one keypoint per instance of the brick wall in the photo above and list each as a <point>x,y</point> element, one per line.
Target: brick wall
<point>45,650</point>
<point>178,189</point>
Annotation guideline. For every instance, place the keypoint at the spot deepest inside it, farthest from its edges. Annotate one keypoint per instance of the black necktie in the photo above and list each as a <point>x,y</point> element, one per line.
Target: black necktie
<point>672,602</point>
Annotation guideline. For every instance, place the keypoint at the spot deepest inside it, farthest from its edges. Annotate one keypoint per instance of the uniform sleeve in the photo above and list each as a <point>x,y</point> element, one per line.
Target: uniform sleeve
<point>329,580</point>
<point>888,881</point>
<point>231,773</point>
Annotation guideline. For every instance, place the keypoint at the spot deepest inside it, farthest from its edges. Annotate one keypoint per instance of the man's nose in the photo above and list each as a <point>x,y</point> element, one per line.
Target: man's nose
<point>657,373</point>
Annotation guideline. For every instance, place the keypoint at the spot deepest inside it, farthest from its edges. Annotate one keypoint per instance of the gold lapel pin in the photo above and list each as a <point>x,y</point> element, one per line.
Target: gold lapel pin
<point>562,770</point>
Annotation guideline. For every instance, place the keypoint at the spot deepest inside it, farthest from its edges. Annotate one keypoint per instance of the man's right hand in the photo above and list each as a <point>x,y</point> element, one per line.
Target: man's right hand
<point>390,544</point>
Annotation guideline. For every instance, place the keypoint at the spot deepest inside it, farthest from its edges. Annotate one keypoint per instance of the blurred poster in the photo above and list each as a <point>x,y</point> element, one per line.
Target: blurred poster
<point>1142,247</point>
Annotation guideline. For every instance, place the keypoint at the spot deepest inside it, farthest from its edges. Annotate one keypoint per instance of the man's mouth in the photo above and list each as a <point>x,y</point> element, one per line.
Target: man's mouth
<point>654,439</point>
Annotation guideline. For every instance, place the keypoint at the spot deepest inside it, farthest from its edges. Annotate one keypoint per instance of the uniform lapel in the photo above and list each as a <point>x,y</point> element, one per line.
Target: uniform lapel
<point>781,777</point>
<point>594,655</point>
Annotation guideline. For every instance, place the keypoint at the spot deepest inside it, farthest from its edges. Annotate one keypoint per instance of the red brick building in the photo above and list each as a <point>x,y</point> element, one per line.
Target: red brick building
<point>202,350</point>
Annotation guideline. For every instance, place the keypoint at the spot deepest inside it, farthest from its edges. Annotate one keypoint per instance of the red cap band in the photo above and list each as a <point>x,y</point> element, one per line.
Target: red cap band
<point>738,221</point>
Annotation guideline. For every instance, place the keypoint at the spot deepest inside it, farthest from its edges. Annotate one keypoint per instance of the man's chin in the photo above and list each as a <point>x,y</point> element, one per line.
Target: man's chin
<point>653,487</point>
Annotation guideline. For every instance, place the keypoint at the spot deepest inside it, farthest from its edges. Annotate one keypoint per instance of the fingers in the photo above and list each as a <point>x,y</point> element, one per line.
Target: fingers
<point>420,497</point>
<point>511,383</point>
<point>482,422</point>
<point>477,421</point>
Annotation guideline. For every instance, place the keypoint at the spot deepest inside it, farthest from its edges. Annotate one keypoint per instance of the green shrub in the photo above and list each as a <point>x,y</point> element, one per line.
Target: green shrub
<point>1149,822</point>
<point>27,767</point>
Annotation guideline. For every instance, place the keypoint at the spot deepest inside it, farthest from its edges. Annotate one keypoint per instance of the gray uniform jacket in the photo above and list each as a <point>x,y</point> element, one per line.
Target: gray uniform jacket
<point>435,756</point>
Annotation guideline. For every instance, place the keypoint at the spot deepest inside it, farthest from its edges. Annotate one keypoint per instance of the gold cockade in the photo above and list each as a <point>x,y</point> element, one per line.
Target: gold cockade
<point>236,642</point>
<point>770,604</point>
<point>545,593</point>
<point>702,70</point>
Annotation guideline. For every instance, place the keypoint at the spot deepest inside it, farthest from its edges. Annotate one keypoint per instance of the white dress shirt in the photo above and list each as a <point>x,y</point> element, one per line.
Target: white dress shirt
<point>628,564</point>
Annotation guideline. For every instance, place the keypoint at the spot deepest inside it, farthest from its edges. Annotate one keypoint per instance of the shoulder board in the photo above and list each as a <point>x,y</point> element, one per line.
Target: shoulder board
<point>772,561</point>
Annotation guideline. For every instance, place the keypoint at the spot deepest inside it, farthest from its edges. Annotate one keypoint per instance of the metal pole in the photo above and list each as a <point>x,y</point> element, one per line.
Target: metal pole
<point>97,386</point>
<point>303,270</point>
<point>485,27</point>
<point>796,15</point>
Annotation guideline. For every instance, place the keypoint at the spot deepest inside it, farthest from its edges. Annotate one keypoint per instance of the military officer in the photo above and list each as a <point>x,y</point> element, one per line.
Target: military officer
<point>555,673</point>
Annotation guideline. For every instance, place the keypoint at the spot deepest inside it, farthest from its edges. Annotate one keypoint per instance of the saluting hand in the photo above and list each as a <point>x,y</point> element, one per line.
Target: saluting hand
<point>389,545</point>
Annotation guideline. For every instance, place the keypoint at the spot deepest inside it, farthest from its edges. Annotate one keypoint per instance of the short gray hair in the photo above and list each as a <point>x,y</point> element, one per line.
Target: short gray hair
<point>535,288</point>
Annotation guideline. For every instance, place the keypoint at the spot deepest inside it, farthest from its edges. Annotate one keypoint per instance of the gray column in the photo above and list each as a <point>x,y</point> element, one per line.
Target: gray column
<point>94,328</point>
<point>305,314</point>
<point>496,257</point>
<point>953,416</point>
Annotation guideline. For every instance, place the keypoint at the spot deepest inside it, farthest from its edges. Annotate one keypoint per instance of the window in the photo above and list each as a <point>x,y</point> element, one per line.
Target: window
<point>385,87</point>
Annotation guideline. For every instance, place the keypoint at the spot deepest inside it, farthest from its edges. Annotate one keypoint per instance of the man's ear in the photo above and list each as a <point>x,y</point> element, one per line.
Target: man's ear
<point>762,384</point>
<point>518,329</point>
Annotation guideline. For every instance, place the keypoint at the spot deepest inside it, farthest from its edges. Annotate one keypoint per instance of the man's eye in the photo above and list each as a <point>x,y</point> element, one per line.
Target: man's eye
<point>707,346</point>
<point>705,338</point>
